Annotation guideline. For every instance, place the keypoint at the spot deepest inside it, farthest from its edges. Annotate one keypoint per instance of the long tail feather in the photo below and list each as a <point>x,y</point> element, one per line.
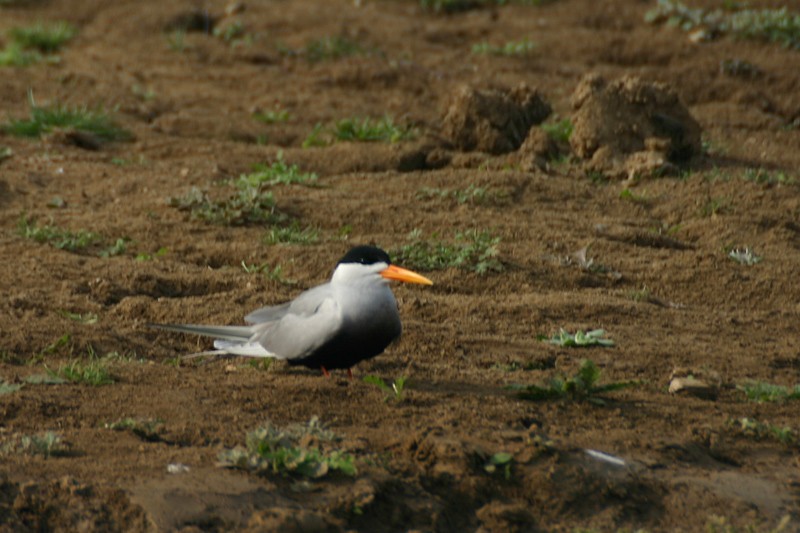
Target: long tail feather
<point>233,333</point>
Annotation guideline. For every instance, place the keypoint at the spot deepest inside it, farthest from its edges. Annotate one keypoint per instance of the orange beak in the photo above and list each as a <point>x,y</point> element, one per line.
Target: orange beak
<point>401,274</point>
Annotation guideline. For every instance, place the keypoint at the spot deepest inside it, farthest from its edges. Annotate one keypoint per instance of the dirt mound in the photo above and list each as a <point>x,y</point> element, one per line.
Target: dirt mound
<point>67,505</point>
<point>496,121</point>
<point>631,127</point>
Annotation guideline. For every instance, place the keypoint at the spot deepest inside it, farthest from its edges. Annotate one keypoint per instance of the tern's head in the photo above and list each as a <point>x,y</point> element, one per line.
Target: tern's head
<point>363,264</point>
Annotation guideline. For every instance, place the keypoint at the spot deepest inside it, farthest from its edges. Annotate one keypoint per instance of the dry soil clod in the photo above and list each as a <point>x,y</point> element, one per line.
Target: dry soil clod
<point>630,127</point>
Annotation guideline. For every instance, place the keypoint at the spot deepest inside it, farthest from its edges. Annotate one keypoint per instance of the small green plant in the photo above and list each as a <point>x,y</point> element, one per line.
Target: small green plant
<point>119,247</point>
<point>765,177</point>
<point>715,206</point>
<point>81,318</point>
<point>316,137</point>
<point>583,386</point>
<point>14,55</point>
<point>580,339</point>
<point>45,119</point>
<point>500,462</point>
<point>270,449</point>
<point>8,388</point>
<point>744,256</point>
<point>46,38</point>
<point>277,173</point>
<point>47,444</point>
<point>393,392</point>
<point>147,429</point>
<point>272,116</point>
<point>472,194</point>
<point>627,194</point>
<point>473,250</point>
<point>511,48</point>
<point>761,431</point>
<point>769,25</point>
<point>272,273</point>
<point>71,241</point>
<point>761,391</point>
<point>176,40</point>
<point>291,234</point>
<point>329,48</point>
<point>56,346</point>
<point>233,33</point>
<point>95,372</point>
<point>247,205</point>
<point>559,131</point>
<point>145,256</point>
<point>371,130</point>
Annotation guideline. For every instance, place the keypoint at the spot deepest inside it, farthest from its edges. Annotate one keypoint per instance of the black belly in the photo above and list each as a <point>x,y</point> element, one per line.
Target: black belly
<point>346,350</point>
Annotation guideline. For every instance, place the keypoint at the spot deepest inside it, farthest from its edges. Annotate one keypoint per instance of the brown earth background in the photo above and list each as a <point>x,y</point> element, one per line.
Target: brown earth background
<point>669,296</point>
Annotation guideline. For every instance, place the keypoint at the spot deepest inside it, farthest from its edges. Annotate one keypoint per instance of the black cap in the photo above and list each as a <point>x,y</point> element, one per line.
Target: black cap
<point>365,255</point>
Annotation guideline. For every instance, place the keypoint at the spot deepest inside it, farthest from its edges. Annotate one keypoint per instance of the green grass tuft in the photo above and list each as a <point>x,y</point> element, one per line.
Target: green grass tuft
<point>46,38</point>
<point>62,239</point>
<point>370,130</point>
<point>769,25</point>
<point>761,391</point>
<point>45,119</point>
<point>394,392</point>
<point>509,49</point>
<point>94,372</point>
<point>473,250</point>
<point>291,234</point>
<point>583,386</point>
<point>270,449</point>
<point>580,339</point>
<point>559,131</point>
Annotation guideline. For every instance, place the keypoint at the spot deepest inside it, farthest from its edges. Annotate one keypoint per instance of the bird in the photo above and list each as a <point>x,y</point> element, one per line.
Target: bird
<point>336,325</point>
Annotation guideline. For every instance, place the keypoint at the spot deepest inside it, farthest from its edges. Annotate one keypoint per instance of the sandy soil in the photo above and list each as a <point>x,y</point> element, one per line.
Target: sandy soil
<point>669,295</point>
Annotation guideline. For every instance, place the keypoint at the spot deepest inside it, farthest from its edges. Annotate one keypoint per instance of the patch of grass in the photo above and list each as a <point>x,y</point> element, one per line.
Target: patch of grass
<point>147,429</point>
<point>580,339</point>
<point>716,206</point>
<point>583,386</point>
<point>371,130</point>
<point>291,234</point>
<point>145,256</point>
<point>500,462</point>
<point>762,431</point>
<point>71,241</point>
<point>761,391</point>
<point>629,195</point>
<point>272,116</point>
<point>8,388</point>
<point>472,194</point>
<point>46,38</point>
<point>271,449</point>
<point>393,392</point>
<point>94,372</point>
<point>765,177</point>
<point>559,131</point>
<point>509,49</point>
<point>247,205</point>
<point>277,173</point>
<point>769,25</point>
<point>47,444</point>
<point>85,318</point>
<point>13,55</point>
<point>331,48</point>
<point>272,273</point>
<point>744,256</point>
<point>176,40</point>
<point>64,341</point>
<point>472,250</point>
<point>46,119</point>
<point>45,379</point>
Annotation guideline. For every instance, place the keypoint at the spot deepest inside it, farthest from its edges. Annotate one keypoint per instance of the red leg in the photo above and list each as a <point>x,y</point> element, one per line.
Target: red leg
<point>325,372</point>
<point>350,373</point>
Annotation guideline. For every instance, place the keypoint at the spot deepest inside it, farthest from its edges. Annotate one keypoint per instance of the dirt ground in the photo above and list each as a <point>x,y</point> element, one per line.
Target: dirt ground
<point>669,295</point>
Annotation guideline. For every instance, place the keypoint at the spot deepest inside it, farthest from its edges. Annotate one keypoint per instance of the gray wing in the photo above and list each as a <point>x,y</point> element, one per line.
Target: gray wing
<point>298,334</point>
<point>307,302</point>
